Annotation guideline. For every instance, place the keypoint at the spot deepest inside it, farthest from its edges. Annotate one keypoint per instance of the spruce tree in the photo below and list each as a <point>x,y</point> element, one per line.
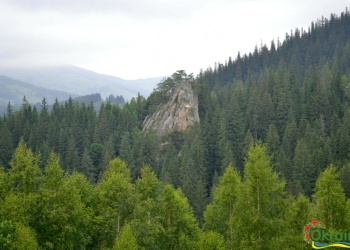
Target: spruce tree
<point>87,166</point>
<point>125,152</point>
<point>6,145</point>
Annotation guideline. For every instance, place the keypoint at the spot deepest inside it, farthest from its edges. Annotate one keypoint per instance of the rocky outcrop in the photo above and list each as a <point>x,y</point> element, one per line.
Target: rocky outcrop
<point>180,111</point>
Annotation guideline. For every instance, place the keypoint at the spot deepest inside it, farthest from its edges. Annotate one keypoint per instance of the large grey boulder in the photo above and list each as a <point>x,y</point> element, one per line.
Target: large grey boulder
<point>180,111</point>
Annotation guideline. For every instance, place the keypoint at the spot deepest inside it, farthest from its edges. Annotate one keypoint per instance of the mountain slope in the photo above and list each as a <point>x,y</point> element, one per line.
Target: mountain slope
<point>13,91</point>
<point>82,82</point>
<point>327,39</point>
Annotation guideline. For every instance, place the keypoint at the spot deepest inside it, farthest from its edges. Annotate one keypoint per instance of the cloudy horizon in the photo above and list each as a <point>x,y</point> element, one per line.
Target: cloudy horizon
<point>141,39</point>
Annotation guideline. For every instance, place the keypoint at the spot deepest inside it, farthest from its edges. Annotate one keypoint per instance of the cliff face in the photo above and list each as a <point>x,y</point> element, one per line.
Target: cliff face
<point>180,111</point>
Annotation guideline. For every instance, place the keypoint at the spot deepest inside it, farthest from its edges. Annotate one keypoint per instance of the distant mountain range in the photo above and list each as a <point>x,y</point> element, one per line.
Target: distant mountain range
<point>12,91</point>
<point>79,81</point>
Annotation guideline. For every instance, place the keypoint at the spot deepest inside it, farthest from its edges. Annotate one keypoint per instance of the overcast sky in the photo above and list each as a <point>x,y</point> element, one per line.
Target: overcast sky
<point>135,39</point>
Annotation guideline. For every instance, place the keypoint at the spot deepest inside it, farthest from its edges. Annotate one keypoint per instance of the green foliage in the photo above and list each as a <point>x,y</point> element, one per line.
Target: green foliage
<point>296,213</point>
<point>303,167</point>
<point>126,240</point>
<point>25,238</point>
<point>330,198</point>
<point>259,201</point>
<point>25,171</point>
<point>293,96</point>
<point>170,172</point>
<point>211,241</point>
<point>146,215</point>
<point>87,166</point>
<point>6,145</point>
<point>17,236</point>
<point>7,234</point>
<point>4,184</point>
<point>115,197</point>
<point>64,219</point>
<point>344,177</point>
<point>165,88</point>
<point>272,141</point>
<point>219,213</point>
<point>125,151</point>
<point>96,152</point>
<point>180,226</point>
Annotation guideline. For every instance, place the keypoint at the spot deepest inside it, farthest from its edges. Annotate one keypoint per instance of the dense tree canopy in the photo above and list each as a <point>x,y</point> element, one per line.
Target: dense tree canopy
<point>272,148</point>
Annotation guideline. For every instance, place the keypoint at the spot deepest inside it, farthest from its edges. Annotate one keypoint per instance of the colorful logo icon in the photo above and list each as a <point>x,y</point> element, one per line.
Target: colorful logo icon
<point>316,234</point>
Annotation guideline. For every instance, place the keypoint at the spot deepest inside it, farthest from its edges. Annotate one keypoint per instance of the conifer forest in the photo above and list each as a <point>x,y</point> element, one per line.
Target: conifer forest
<point>271,153</point>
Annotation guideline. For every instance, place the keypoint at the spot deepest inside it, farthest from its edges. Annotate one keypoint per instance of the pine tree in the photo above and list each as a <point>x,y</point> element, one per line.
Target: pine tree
<point>303,167</point>
<point>170,171</point>
<point>53,134</point>
<point>224,147</point>
<point>344,136</point>
<point>272,141</point>
<point>148,153</point>
<point>72,159</point>
<point>125,152</point>
<point>200,200</point>
<point>197,152</point>
<point>63,141</point>
<point>43,122</point>
<point>253,115</point>
<point>344,177</point>
<point>6,145</point>
<point>108,154</point>
<point>248,140</point>
<point>282,97</point>
<point>234,120</point>
<point>189,175</point>
<point>87,166</point>
<point>96,154</point>
<point>284,166</point>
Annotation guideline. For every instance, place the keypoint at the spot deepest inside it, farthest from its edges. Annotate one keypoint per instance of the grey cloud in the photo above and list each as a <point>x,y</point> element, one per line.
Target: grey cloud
<point>89,32</point>
<point>158,9</point>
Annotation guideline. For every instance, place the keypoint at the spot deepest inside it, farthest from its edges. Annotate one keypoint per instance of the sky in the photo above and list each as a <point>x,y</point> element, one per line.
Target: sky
<point>135,39</point>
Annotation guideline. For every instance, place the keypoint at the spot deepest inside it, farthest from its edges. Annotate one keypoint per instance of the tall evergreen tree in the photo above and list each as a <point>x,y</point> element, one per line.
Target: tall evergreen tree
<point>6,145</point>
<point>125,152</point>
<point>87,166</point>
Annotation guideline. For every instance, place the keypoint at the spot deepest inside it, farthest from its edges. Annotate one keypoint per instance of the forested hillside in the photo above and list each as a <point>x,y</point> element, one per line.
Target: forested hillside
<point>271,152</point>
<point>13,91</point>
